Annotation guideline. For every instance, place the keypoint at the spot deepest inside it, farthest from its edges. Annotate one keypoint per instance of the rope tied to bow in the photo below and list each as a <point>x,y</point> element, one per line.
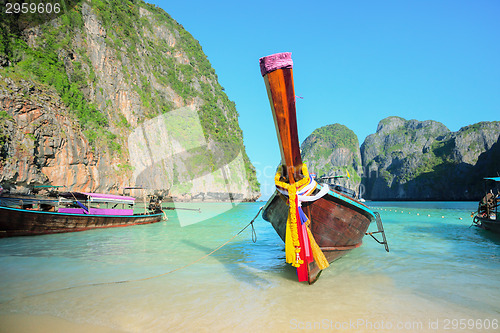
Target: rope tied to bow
<point>299,238</point>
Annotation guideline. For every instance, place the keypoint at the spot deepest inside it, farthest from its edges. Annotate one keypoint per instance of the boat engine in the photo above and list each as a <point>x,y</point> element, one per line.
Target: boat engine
<point>486,205</point>
<point>155,203</point>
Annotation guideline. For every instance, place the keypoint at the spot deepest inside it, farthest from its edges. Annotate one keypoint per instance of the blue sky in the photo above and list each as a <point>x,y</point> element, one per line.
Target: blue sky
<point>355,62</point>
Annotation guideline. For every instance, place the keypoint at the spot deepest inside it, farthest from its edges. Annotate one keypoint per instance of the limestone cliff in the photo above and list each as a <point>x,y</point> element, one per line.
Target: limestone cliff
<point>423,160</point>
<point>116,93</point>
<point>333,150</point>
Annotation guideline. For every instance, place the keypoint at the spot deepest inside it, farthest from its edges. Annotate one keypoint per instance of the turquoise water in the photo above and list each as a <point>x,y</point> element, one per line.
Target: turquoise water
<point>439,273</point>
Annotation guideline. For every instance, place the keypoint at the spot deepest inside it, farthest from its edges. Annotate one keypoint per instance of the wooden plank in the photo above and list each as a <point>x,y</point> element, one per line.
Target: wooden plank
<point>279,85</point>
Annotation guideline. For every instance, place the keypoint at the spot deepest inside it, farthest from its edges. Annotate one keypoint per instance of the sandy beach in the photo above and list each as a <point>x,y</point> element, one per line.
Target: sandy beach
<point>46,324</point>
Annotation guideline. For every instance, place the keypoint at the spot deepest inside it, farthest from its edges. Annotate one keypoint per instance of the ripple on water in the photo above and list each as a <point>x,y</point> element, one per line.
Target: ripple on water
<point>437,267</point>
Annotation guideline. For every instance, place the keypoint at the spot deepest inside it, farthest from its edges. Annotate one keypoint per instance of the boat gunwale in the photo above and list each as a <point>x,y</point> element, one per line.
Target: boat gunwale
<point>338,196</point>
<point>75,215</point>
<point>348,200</point>
<point>487,220</point>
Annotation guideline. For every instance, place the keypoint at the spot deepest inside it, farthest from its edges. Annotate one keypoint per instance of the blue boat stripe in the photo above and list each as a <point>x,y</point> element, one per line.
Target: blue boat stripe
<point>71,214</point>
<point>348,200</point>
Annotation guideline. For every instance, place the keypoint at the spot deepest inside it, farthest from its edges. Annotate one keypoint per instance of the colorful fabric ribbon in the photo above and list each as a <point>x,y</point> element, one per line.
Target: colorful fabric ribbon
<point>300,246</point>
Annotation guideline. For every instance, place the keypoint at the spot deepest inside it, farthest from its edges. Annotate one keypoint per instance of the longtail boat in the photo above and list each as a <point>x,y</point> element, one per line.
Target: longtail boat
<point>317,223</point>
<point>72,211</point>
<point>486,216</point>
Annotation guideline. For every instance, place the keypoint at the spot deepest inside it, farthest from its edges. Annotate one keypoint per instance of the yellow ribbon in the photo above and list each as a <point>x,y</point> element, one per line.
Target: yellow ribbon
<point>292,242</point>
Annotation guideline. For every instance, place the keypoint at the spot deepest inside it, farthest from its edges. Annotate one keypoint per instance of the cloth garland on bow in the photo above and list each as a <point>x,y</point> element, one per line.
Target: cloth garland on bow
<point>300,246</point>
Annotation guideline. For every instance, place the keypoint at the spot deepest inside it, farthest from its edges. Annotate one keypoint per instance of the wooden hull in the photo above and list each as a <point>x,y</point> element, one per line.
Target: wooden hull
<point>338,223</point>
<point>488,224</point>
<point>22,222</point>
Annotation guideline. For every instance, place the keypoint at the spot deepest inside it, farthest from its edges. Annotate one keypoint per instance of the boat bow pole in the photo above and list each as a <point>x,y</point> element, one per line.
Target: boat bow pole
<point>300,245</point>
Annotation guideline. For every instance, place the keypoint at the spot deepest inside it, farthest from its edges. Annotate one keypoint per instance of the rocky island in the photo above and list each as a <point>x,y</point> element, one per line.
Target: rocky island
<point>333,150</point>
<point>102,97</point>
<point>409,159</point>
<point>424,160</point>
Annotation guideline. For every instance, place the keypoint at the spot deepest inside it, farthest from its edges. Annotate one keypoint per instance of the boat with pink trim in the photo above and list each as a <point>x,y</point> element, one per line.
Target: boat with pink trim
<point>72,211</point>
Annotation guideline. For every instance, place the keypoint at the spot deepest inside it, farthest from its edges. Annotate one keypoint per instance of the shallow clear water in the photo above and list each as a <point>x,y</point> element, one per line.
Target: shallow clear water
<point>439,271</point>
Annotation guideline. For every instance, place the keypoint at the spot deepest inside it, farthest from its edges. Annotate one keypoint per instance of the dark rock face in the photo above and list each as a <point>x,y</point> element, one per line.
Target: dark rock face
<point>423,160</point>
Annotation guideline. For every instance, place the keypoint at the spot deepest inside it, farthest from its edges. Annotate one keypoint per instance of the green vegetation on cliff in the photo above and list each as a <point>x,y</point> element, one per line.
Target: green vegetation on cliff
<point>118,63</point>
<point>422,160</point>
<point>333,150</point>
<point>43,63</point>
<point>338,136</point>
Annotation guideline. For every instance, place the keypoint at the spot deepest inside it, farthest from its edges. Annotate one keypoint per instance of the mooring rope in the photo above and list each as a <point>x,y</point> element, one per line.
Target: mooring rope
<point>254,239</point>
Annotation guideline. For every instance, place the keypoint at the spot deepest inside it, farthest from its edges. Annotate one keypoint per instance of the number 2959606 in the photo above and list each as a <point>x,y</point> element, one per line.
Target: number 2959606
<point>469,324</point>
<point>32,8</point>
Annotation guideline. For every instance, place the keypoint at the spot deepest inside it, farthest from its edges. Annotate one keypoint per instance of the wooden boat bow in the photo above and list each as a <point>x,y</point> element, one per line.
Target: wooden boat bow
<point>317,226</point>
<point>278,76</point>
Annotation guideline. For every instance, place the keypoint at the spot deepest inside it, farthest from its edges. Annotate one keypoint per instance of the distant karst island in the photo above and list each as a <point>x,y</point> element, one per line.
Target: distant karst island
<point>408,159</point>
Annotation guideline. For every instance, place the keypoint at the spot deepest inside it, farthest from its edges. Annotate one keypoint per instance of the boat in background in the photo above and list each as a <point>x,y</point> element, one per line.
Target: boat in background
<point>318,224</point>
<point>331,182</point>
<point>72,211</point>
<point>486,216</point>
